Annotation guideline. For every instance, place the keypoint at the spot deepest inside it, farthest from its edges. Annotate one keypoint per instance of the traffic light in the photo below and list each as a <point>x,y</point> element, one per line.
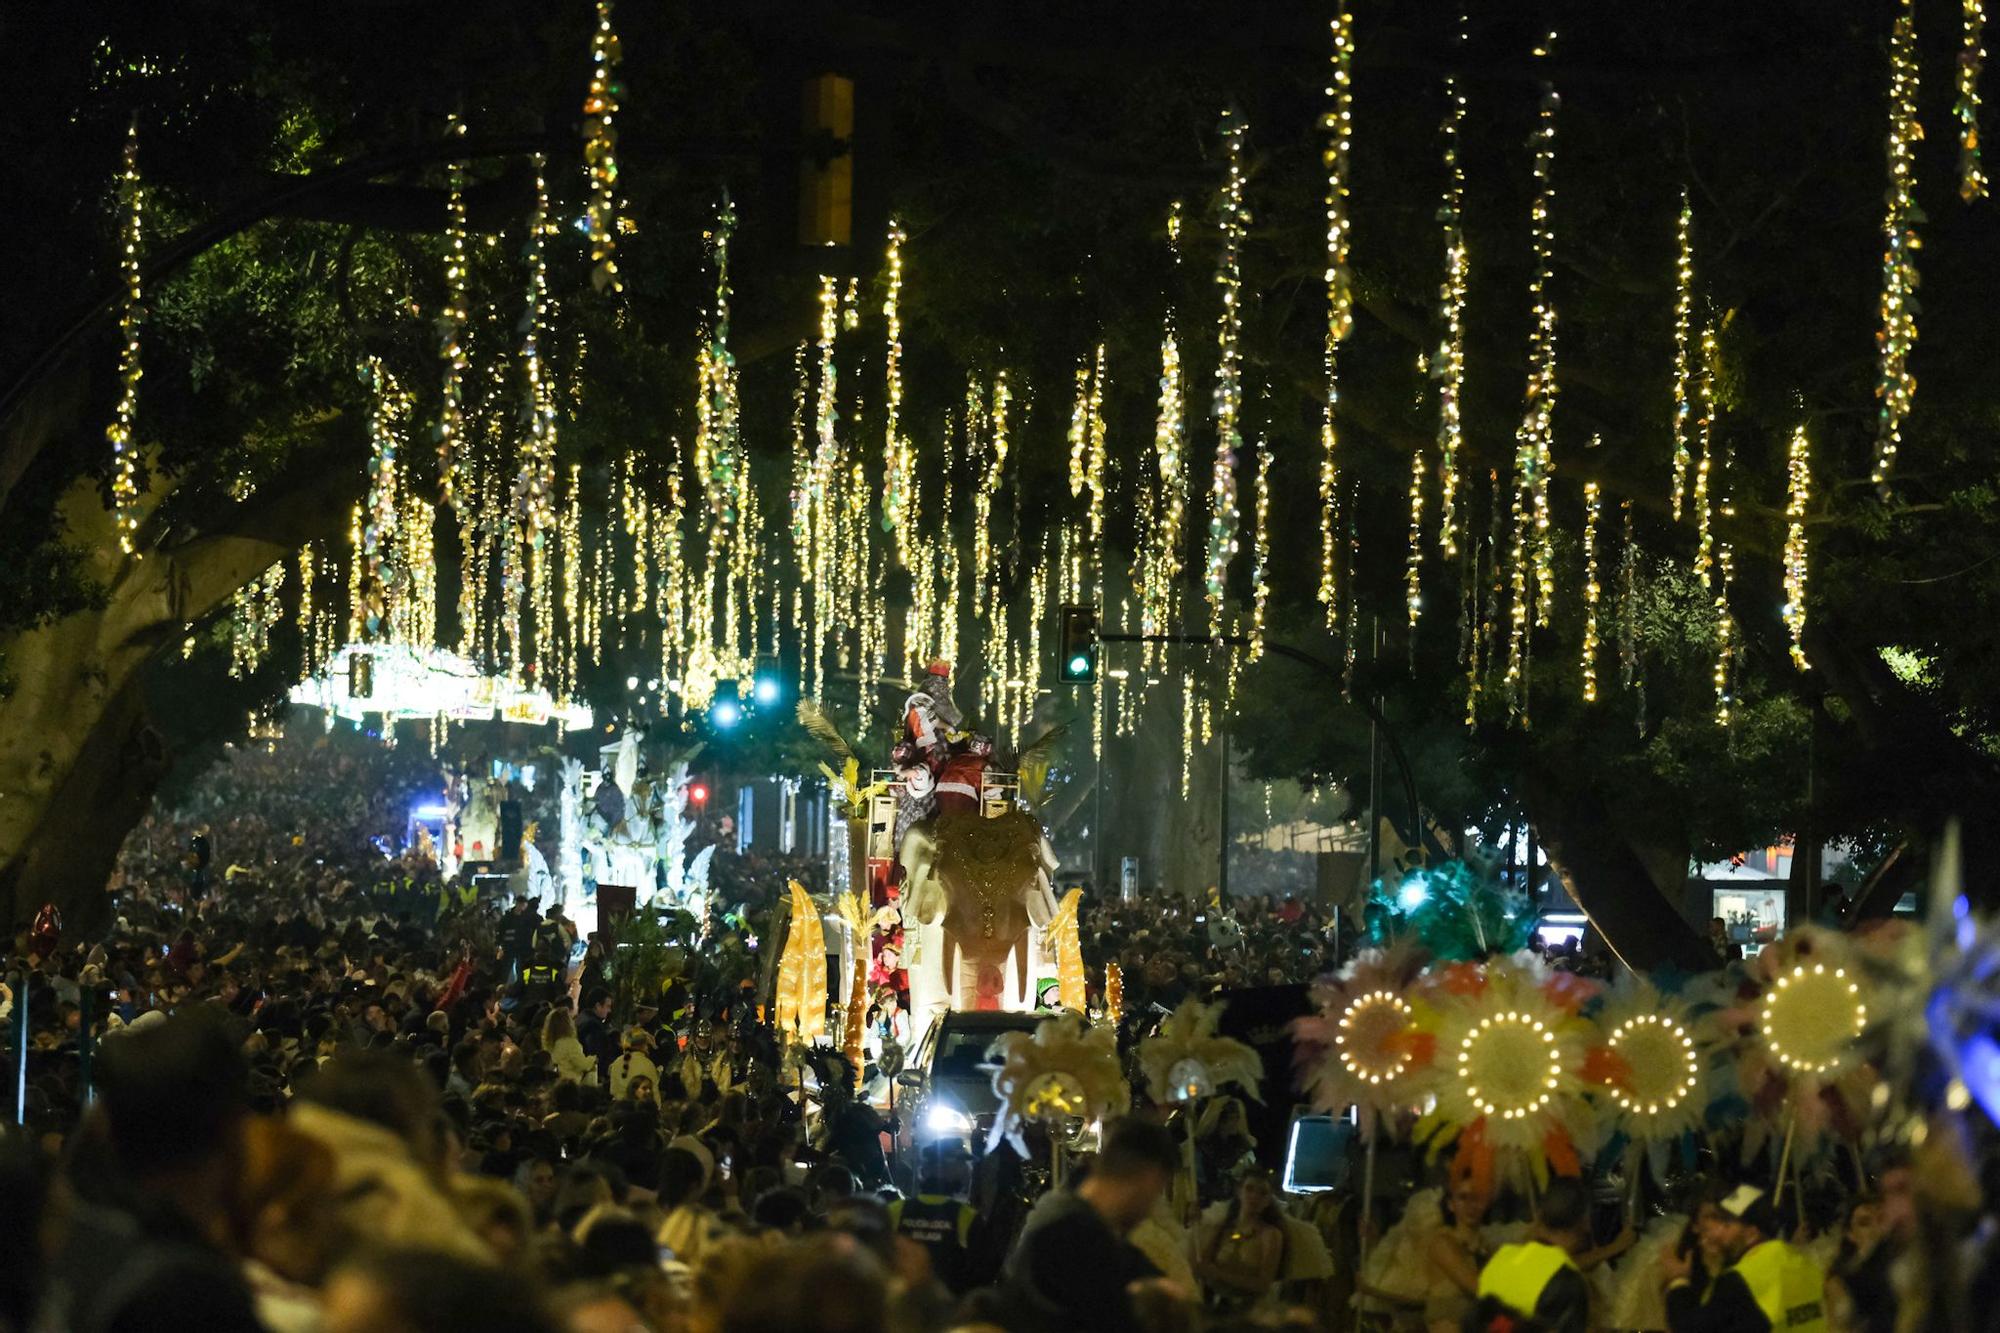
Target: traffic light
<point>767,686</point>
<point>698,793</point>
<point>727,709</point>
<point>1077,645</point>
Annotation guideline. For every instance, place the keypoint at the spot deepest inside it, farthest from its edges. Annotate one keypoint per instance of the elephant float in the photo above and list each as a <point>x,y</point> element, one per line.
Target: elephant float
<point>976,894</point>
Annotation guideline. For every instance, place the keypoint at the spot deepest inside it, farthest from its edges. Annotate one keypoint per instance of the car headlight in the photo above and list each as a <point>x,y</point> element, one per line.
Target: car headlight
<point>941,1119</point>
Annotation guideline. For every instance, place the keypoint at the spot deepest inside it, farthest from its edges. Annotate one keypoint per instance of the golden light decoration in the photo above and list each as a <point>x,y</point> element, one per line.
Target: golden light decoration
<point>1683,331</point>
<point>1811,1016</point>
<point>1367,1044</point>
<point>1704,522</point>
<point>308,641</point>
<point>1651,1064</point>
<point>1532,578</point>
<point>1630,676</point>
<point>1260,577</point>
<point>899,461</point>
<point>1509,1065</point>
<point>1448,366</point>
<point>535,482</point>
<point>389,408</point>
<point>1725,639</point>
<point>1160,598</point>
<point>1413,563</point>
<point>1593,508</point>
<point>452,319</point>
<point>1895,387</point>
<point>1971,59</point>
<point>131,319</point>
<point>1223,515</point>
<point>600,152</point>
<point>1798,495</point>
<point>718,443</point>
<point>1665,1064</point>
<point>1362,1046</point>
<point>1338,122</point>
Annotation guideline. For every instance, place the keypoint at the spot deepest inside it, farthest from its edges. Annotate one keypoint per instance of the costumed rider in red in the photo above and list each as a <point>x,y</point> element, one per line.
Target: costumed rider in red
<point>942,768</point>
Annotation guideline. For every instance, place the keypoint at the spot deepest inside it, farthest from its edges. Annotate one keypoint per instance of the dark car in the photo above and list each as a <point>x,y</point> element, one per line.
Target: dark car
<point>950,1081</point>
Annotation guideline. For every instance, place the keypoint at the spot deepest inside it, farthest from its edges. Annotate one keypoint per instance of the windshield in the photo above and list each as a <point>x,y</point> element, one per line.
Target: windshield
<point>960,1052</point>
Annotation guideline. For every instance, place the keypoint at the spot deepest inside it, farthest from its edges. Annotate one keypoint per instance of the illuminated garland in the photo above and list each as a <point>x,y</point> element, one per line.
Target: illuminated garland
<point>452,320</point>
<point>899,460</point>
<point>1798,492</point>
<point>1471,631</point>
<point>600,153</point>
<point>817,567</point>
<point>1224,517</point>
<point>1704,548</point>
<point>1725,639</point>
<point>1630,677</point>
<point>718,446</point>
<point>1683,329</point>
<point>1413,563</point>
<point>1533,462</point>
<point>1895,386</point>
<point>1339,125</point>
<point>1167,538</point>
<point>1449,365</point>
<point>388,416</point>
<point>1593,506</point>
<point>572,584</point>
<point>1079,431</point>
<point>308,643</point>
<point>1260,583</point>
<point>535,483</point>
<point>1971,58</point>
<point>983,573</point>
<point>131,318</point>
<point>254,609</point>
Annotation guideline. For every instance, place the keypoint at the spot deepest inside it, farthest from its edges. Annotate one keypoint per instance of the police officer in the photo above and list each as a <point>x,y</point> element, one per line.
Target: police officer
<point>541,980</point>
<point>940,1220</point>
<point>1538,1278</point>
<point>1768,1284</point>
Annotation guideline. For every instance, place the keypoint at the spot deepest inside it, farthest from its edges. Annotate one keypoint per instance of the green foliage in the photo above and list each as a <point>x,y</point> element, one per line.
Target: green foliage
<point>1456,911</point>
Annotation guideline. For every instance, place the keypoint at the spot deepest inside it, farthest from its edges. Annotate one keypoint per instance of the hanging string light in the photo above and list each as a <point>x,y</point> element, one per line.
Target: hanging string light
<point>1413,562</point>
<point>1224,517</point>
<point>131,318</point>
<point>1338,124</point>
<point>1704,524</point>
<point>535,483</point>
<point>1533,460</point>
<point>1683,330</point>
<point>1592,510</point>
<point>308,658</point>
<point>718,444</point>
<point>1895,386</point>
<point>452,320</point>
<point>1725,638</point>
<point>1798,491</point>
<point>1448,366</point>
<point>984,576</point>
<point>816,567</point>
<point>1260,580</point>
<point>600,152</point>
<point>388,416</point>
<point>1971,59</point>
<point>253,610</point>
<point>1167,539</point>
<point>899,459</point>
<point>1079,431</point>
<point>1472,628</point>
<point>1630,677</point>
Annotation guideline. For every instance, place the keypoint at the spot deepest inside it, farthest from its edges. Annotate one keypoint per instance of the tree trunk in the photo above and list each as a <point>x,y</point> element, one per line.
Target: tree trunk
<point>79,758</point>
<point>1609,879</point>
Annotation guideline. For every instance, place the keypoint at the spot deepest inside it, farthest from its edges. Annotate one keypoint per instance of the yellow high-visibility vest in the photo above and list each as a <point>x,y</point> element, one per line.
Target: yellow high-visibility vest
<point>1516,1274</point>
<point>1788,1287</point>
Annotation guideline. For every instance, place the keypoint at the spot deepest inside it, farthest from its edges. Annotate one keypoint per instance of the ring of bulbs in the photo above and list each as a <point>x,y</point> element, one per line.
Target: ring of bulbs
<point>1639,1028</point>
<point>1366,1008</point>
<point>1804,977</point>
<point>1516,1021</point>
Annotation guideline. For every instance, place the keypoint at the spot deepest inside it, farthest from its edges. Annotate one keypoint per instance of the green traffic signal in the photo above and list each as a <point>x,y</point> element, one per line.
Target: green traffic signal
<point>1079,644</point>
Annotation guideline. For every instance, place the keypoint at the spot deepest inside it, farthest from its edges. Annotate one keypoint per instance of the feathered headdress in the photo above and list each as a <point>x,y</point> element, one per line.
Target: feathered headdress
<point>1185,1059</point>
<point>1063,1069</point>
<point>1365,1048</point>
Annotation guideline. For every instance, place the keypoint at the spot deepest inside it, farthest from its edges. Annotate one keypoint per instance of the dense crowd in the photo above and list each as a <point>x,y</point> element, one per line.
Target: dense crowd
<point>300,1084</point>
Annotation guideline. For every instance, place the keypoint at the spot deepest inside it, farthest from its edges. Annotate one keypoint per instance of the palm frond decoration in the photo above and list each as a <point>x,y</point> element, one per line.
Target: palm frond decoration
<point>814,719</point>
<point>1185,1059</point>
<point>801,999</point>
<point>1066,935</point>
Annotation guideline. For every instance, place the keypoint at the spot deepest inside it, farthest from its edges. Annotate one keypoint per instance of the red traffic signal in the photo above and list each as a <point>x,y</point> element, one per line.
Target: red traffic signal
<point>698,793</point>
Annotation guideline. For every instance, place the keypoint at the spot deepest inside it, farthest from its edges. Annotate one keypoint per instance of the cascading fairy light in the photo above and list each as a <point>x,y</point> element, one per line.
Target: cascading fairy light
<point>535,483</point>
<point>1079,430</point>
<point>1533,590</point>
<point>899,458</point>
<point>1094,463</point>
<point>983,574</point>
<point>1413,563</point>
<point>1448,366</point>
<point>1798,494</point>
<point>1227,407</point>
<point>1338,124</point>
<point>1593,508</point>
<point>600,153</point>
<point>718,444</point>
<point>1260,581</point>
<point>1630,677</point>
<point>357,577</point>
<point>308,644</point>
<point>416,611</point>
<point>254,609</point>
<point>1725,638</point>
<point>452,321</point>
<point>388,417</point>
<point>818,564</point>
<point>1683,330</point>
<point>1971,59</point>
<point>131,319</point>
<point>1704,523</point>
<point>1166,539</point>
<point>1895,386</point>
<point>572,581</point>
<point>1350,621</point>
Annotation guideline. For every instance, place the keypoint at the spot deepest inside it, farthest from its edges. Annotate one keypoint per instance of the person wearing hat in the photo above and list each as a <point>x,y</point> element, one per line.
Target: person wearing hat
<point>1539,1278</point>
<point>1768,1285</point>
<point>939,1219</point>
